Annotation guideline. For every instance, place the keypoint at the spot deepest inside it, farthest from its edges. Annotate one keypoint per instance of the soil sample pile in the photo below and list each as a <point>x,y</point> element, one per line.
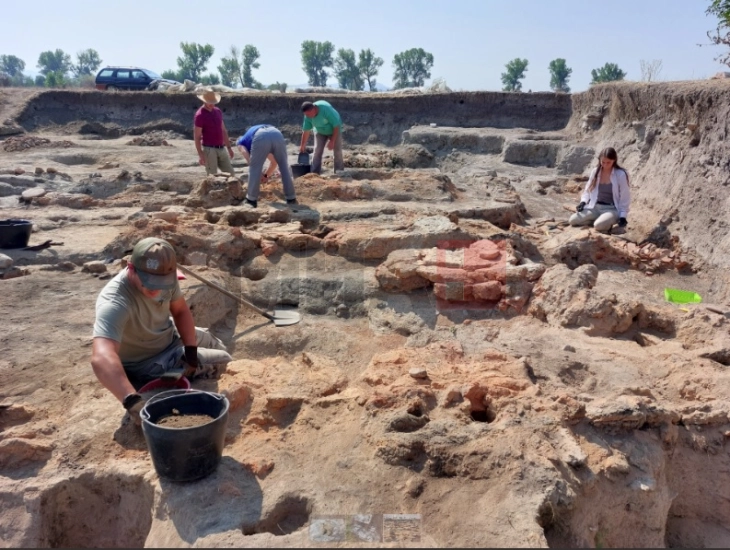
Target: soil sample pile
<point>177,420</point>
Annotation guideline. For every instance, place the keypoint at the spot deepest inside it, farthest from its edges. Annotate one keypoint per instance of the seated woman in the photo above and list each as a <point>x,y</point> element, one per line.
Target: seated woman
<point>606,197</point>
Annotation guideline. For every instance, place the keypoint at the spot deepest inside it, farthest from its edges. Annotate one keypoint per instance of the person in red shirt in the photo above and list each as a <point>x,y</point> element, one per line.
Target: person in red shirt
<point>211,137</point>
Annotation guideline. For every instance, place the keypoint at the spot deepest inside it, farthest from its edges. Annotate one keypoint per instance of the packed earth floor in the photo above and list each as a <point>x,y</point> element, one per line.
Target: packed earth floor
<point>468,371</point>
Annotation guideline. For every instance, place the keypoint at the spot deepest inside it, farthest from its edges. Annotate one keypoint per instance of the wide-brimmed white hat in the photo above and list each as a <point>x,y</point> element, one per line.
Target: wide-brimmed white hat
<point>209,96</point>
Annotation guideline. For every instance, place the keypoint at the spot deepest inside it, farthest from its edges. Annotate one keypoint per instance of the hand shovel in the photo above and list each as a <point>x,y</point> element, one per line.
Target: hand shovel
<point>280,318</point>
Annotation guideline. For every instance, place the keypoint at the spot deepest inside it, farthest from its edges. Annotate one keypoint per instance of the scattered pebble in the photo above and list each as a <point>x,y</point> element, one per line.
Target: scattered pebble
<point>419,373</point>
<point>569,348</point>
<point>95,266</point>
<point>5,261</point>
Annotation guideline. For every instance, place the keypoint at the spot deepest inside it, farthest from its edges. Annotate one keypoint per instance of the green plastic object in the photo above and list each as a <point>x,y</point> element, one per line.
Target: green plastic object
<point>677,296</point>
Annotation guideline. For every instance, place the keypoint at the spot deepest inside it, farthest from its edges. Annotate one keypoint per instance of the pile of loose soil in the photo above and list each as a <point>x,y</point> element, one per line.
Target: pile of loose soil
<point>149,141</point>
<point>184,420</point>
<point>21,143</point>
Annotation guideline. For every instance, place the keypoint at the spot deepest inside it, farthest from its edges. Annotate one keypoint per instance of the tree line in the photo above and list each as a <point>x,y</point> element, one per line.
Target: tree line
<point>56,67</point>
<point>411,68</point>
<point>320,61</point>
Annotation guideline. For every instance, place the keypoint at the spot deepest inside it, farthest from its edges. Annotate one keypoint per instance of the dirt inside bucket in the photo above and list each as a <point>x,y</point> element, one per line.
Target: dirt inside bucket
<point>177,420</point>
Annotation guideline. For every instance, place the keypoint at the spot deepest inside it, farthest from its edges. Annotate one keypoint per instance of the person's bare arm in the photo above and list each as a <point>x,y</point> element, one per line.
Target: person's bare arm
<point>305,139</point>
<point>245,153</point>
<point>198,135</point>
<point>108,367</point>
<point>183,319</point>
<point>273,165</point>
<point>226,140</point>
<point>333,139</point>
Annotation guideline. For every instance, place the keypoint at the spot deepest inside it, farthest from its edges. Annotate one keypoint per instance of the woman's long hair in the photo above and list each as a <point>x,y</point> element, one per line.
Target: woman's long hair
<point>610,154</point>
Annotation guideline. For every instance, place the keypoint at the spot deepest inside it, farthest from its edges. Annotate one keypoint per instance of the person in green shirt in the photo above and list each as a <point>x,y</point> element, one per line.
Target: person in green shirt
<point>321,117</point>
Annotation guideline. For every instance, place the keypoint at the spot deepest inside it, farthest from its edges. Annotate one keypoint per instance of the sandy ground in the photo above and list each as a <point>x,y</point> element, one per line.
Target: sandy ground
<point>591,414</point>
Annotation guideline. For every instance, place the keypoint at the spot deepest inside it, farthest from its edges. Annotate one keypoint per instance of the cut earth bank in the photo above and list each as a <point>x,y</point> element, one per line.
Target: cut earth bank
<point>463,356</point>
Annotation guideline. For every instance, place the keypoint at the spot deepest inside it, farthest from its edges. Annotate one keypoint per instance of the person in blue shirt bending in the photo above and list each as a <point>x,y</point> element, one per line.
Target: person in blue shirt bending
<point>256,145</point>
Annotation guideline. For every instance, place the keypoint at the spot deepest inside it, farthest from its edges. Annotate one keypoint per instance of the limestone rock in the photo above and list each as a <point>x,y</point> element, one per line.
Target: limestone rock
<point>5,261</point>
<point>419,373</point>
<point>196,258</point>
<point>95,266</point>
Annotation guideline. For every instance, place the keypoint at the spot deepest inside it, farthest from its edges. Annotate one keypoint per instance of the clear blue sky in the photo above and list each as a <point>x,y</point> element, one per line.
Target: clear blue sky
<point>471,40</point>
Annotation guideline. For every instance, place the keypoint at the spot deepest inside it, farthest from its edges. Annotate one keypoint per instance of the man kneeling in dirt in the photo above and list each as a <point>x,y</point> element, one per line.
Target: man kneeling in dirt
<point>135,336</point>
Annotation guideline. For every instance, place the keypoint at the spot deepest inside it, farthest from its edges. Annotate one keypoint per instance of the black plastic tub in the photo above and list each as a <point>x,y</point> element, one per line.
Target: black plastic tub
<point>15,233</point>
<point>185,454</point>
<point>300,169</point>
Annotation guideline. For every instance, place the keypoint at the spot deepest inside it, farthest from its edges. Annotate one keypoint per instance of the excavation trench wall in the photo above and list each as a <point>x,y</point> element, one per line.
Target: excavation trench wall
<point>673,139</point>
<point>371,117</point>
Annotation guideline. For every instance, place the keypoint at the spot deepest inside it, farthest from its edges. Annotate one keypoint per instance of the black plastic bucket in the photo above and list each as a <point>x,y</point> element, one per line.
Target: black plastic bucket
<point>185,454</point>
<point>15,233</point>
<point>300,169</point>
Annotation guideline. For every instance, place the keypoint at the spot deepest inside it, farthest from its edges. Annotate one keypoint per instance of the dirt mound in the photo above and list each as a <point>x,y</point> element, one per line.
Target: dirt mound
<point>21,143</point>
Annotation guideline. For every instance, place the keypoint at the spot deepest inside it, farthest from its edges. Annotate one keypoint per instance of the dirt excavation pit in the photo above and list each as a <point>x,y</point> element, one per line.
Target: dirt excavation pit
<point>92,511</point>
<point>469,370</point>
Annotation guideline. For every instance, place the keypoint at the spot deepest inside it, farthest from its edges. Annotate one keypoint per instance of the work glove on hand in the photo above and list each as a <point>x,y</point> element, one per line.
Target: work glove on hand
<point>623,222</point>
<point>580,207</point>
<point>134,403</point>
<point>191,360</point>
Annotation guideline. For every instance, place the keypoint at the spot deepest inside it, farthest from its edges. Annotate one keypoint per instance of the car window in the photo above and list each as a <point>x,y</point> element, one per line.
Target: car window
<point>122,74</point>
<point>152,74</point>
<point>106,73</point>
<point>138,74</point>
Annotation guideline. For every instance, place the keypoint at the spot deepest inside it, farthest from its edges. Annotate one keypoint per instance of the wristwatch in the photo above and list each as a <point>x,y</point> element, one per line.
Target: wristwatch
<point>130,400</point>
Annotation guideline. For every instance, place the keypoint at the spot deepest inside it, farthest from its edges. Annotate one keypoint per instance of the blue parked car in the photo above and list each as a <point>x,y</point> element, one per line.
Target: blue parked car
<point>128,78</point>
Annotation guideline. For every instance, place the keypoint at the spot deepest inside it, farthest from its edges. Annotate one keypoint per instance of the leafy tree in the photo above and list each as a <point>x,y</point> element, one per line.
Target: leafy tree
<point>238,66</point>
<point>347,70</point>
<point>87,62</point>
<point>721,35</point>
<point>194,60</point>
<point>230,69</point>
<point>280,86</point>
<point>40,80</point>
<point>249,61</point>
<point>173,75</point>
<point>559,75</point>
<point>610,72</point>
<point>54,62</point>
<point>515,72</point>
<point>56,79</point>
<point>210,79</point>
<point>11,65</point>
<point>316,58</point>
<point>369,66</point>
<point>412,68</point>
<point>720,9</point>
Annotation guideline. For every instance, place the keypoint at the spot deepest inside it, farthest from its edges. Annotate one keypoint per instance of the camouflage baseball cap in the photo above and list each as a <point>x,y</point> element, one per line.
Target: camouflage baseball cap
<point>155,263</point>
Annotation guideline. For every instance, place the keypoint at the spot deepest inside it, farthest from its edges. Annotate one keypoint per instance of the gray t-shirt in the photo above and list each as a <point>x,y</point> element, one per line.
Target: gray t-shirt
<point>141,325</point>
<point>605,193</point>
